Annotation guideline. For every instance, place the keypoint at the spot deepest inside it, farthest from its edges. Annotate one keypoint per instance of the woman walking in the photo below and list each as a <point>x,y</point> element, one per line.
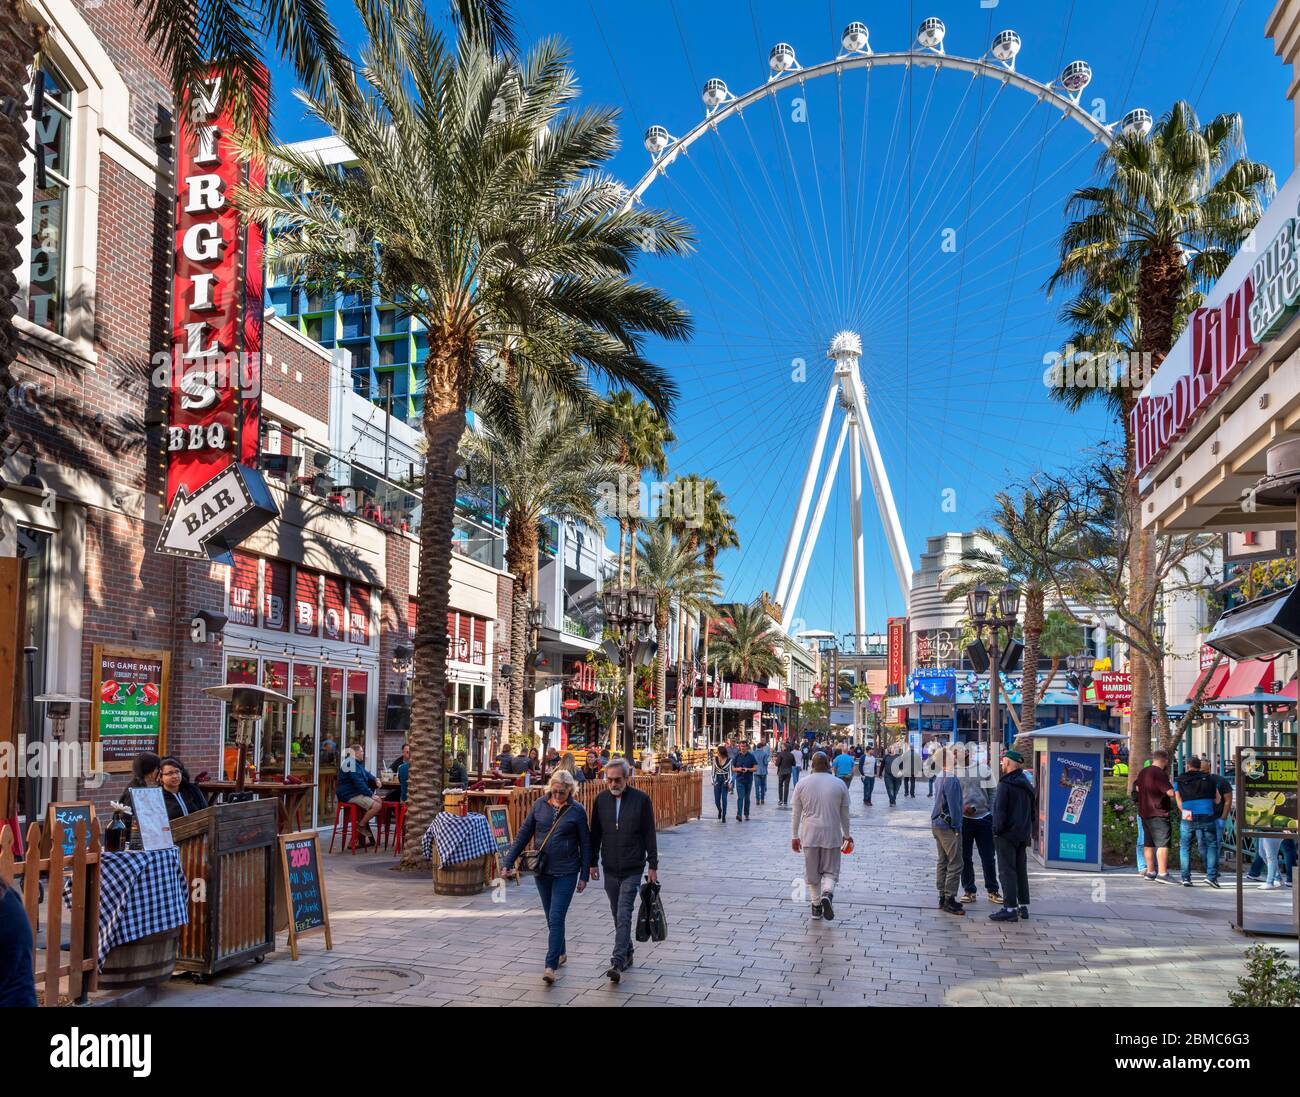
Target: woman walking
<point>867,767</point>
<point>890,768</point>
<point>721,780</point>
<point>558,823</point>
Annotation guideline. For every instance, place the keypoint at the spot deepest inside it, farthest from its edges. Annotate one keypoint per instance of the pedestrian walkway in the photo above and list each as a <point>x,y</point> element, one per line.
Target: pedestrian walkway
<point>738,934</point>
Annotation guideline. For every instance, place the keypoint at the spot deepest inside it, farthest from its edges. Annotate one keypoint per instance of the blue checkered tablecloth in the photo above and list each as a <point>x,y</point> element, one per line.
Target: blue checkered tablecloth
<point>459,838</point>
<point>141,892</point>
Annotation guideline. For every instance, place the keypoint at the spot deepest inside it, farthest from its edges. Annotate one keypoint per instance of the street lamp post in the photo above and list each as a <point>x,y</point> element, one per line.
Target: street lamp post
<point>1080,675</point>
<point>984,614</point>
<point>629,610</point>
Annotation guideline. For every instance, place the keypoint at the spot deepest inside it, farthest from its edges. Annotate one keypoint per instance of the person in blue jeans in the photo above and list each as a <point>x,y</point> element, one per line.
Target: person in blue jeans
<point>721,780</point>
<point>743,767</point>
<point>558,823</point>
<point>867,768</point>
<point>763,757</point>
<point>1200,802</point>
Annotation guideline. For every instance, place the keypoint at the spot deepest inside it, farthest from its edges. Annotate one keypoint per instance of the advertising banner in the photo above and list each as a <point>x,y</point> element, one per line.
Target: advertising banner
<point>1114,687</point>
<point>935,687</point>
<point>896,645</point>
<point>1269,792</point>
<point>128,704</point>
<point>1074,801</point>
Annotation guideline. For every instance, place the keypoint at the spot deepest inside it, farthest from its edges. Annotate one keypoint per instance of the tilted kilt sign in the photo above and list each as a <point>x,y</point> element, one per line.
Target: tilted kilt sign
<point>215,497</point>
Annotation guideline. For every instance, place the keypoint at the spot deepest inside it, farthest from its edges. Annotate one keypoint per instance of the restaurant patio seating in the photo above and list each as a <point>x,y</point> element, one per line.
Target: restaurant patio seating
<point>392,813</point>
<point>349,816</point>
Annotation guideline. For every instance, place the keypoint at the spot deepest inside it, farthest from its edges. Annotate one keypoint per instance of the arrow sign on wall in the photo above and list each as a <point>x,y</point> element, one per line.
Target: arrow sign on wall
<point>218,516</point>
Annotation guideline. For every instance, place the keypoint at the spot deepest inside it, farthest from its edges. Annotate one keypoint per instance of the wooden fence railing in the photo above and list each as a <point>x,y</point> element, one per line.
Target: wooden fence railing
<point>677,797</point>
<point>79,965</point>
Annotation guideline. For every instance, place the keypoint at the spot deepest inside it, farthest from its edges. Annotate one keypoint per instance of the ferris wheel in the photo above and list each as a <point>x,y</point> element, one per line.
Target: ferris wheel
<point>842,280</point>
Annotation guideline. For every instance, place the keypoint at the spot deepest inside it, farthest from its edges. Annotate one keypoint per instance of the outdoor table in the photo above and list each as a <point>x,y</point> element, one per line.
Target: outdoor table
<point>458,838</point>
<point>141,893</point>
<point>289,798</point>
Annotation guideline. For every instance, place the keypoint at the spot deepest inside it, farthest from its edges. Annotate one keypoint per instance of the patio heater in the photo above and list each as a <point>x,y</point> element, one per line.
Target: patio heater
<point>248,705</point>
<point>477,742</point>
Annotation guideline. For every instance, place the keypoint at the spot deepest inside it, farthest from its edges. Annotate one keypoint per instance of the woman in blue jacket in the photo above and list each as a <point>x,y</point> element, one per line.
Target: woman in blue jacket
<point>558,826</point>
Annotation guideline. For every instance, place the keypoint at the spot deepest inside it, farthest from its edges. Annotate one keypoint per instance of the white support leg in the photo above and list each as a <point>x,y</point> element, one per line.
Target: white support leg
<point>823,498</point>
<point>859,554</point>
<point>880,486</point>
<point>805,497</point>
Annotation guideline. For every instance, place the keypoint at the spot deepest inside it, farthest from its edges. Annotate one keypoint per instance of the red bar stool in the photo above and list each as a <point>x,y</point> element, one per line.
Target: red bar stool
<point>393,813</point>
<point>349,815</point>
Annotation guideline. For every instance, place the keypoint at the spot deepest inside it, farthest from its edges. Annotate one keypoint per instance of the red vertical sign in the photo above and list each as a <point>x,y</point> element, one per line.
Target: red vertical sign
<point>896,632</point>
<point>216,302</point>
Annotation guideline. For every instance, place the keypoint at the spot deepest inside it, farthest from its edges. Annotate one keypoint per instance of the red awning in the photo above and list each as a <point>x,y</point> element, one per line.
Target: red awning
<point>1289,691</point>
<point>1249,676</point>
<point>771,696</point>
<point>1215,688</point>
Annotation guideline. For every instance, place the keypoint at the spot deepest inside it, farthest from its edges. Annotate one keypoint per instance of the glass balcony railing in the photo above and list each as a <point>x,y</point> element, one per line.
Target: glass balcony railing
<point>355,490</point>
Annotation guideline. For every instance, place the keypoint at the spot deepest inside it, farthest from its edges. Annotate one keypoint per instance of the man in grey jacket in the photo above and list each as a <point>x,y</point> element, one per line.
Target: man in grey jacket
<point>819,829</point>
<point>977,834</point>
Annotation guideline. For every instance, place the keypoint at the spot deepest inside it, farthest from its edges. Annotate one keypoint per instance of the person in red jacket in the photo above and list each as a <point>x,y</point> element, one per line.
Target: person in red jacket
<point>1152,795</point>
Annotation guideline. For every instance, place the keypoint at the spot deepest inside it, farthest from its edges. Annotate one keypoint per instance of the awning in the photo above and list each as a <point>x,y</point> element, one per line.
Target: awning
<point>1215,688</point>
<point>1249,676</point>
<point>1289,690</point>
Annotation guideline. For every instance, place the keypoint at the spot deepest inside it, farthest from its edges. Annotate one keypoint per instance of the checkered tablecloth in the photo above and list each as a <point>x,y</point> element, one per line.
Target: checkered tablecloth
<point>459,837</point>
<point>140,893</point>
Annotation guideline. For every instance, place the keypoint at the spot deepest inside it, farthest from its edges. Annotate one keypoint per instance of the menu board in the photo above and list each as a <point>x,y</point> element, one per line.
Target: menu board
<point>304,888</point>
<point>128,704</point>
<point>1268,792</point>
<point>498,818</point>
<point>151,818</point>
<point>69,813</point>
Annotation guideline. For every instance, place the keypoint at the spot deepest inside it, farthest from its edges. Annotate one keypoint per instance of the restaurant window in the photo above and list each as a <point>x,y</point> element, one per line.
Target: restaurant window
<point>275,597</point>
<point>355,732</point>
<point>306,603</point>
<point>274,725</point>
<point>464,697</point>
<point>241,670</point>
<point>46,217</point>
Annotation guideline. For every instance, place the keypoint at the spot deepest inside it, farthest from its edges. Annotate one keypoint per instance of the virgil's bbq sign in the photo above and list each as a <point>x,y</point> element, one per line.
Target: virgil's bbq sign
<point>1223,340</point>
<point>215,379</point>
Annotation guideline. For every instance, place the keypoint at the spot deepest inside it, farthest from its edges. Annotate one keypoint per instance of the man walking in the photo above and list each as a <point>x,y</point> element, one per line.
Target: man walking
<point>843,766</point>
<point>867,768</point>
<point>945,825</point>
<point>1015,823</point>
<point>891,769</point>
<point>786,761</point>
<point>1200,802</point>
<point>623,840</point>
<point>762,759</point>
<point>977,834</point>
<point>911,763</point>
<point>743,767</point>
<point>1151,791</point>
<point>819,829</point>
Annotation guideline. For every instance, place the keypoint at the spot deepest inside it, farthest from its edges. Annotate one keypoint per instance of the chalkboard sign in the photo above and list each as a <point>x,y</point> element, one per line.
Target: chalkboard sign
<point>69,813</point>
<point>498,817</point>
<point>304,887</point>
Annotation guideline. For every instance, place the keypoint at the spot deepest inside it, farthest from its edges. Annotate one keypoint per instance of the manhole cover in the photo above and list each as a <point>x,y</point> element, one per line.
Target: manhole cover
<point>353,981</point>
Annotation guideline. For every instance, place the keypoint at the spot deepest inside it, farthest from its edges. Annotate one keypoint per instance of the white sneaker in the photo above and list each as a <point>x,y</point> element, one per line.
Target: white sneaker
<point>1276,885</point>
<point>1265,887</point>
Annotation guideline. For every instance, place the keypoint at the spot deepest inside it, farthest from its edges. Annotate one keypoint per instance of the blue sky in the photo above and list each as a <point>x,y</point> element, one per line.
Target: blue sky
<point>823,214</point>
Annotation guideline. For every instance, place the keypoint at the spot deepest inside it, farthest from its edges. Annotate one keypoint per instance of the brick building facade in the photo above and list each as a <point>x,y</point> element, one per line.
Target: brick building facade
<point>319,601</point>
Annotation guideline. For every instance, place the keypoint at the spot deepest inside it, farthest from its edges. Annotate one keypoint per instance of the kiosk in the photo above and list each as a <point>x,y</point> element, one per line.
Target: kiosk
<point>1068,770</point>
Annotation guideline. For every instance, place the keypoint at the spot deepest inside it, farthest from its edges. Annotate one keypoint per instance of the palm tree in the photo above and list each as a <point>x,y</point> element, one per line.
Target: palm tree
<point>473,201</point>
<point>639,434</point>
<point>1062,637</point>
<point>745,647</point>
<point>701,518</point>
<point>674,572</point>
<point>1161,226</point>
<point>1023,548</point>
<point>546,463</point>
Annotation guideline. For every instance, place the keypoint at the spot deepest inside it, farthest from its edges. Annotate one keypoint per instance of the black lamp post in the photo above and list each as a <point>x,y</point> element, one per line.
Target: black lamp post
<point>629,610</point>
<point>1080,675</point>
<point>984,614</point>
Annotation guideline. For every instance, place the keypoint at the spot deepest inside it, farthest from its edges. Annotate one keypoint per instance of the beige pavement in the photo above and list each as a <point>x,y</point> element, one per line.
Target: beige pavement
<point>738,937</point>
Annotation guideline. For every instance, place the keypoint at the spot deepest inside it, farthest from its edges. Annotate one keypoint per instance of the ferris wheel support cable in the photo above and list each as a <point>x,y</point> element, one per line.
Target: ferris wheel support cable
<point>892,248</point>
<point>925,215</point>
<point>833,303</point>
<point>856,520</point>
<point>870,225</point>
<point>844,187</point>
<point>858,188</point>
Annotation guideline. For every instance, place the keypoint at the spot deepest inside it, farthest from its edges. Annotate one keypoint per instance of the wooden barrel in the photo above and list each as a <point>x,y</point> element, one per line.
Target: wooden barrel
<point>145,962</point>
<point>464,878</point>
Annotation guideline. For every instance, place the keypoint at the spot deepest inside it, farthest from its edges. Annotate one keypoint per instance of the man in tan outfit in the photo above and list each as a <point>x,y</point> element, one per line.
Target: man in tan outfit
<point>819,829</point>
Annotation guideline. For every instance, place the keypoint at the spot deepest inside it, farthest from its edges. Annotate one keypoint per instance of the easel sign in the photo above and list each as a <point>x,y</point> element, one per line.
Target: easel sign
<point>498,817</point>
<point>304,888</point>
<point>69,813</point>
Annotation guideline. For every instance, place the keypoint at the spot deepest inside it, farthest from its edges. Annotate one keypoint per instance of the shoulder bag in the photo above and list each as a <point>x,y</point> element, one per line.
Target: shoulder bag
<point>541,862</point>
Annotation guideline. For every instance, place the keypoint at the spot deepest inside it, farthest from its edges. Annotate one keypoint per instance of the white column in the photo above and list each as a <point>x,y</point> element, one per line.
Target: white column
<point>859,556</point>
<point>796,587</point>
<point>805,497</point>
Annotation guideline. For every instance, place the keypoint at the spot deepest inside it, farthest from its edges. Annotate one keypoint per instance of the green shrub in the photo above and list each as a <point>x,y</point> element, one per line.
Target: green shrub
<point>1269,980</point>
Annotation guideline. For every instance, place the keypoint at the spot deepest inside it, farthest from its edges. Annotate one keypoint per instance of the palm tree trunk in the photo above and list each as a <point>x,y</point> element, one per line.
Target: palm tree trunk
<point>17,49</point>
<point>521,540</point>
<point>444,423</point>
<point>631,552</point>
<point>622,538</point>
<point>661,673</point>
<point>1029,679</point>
